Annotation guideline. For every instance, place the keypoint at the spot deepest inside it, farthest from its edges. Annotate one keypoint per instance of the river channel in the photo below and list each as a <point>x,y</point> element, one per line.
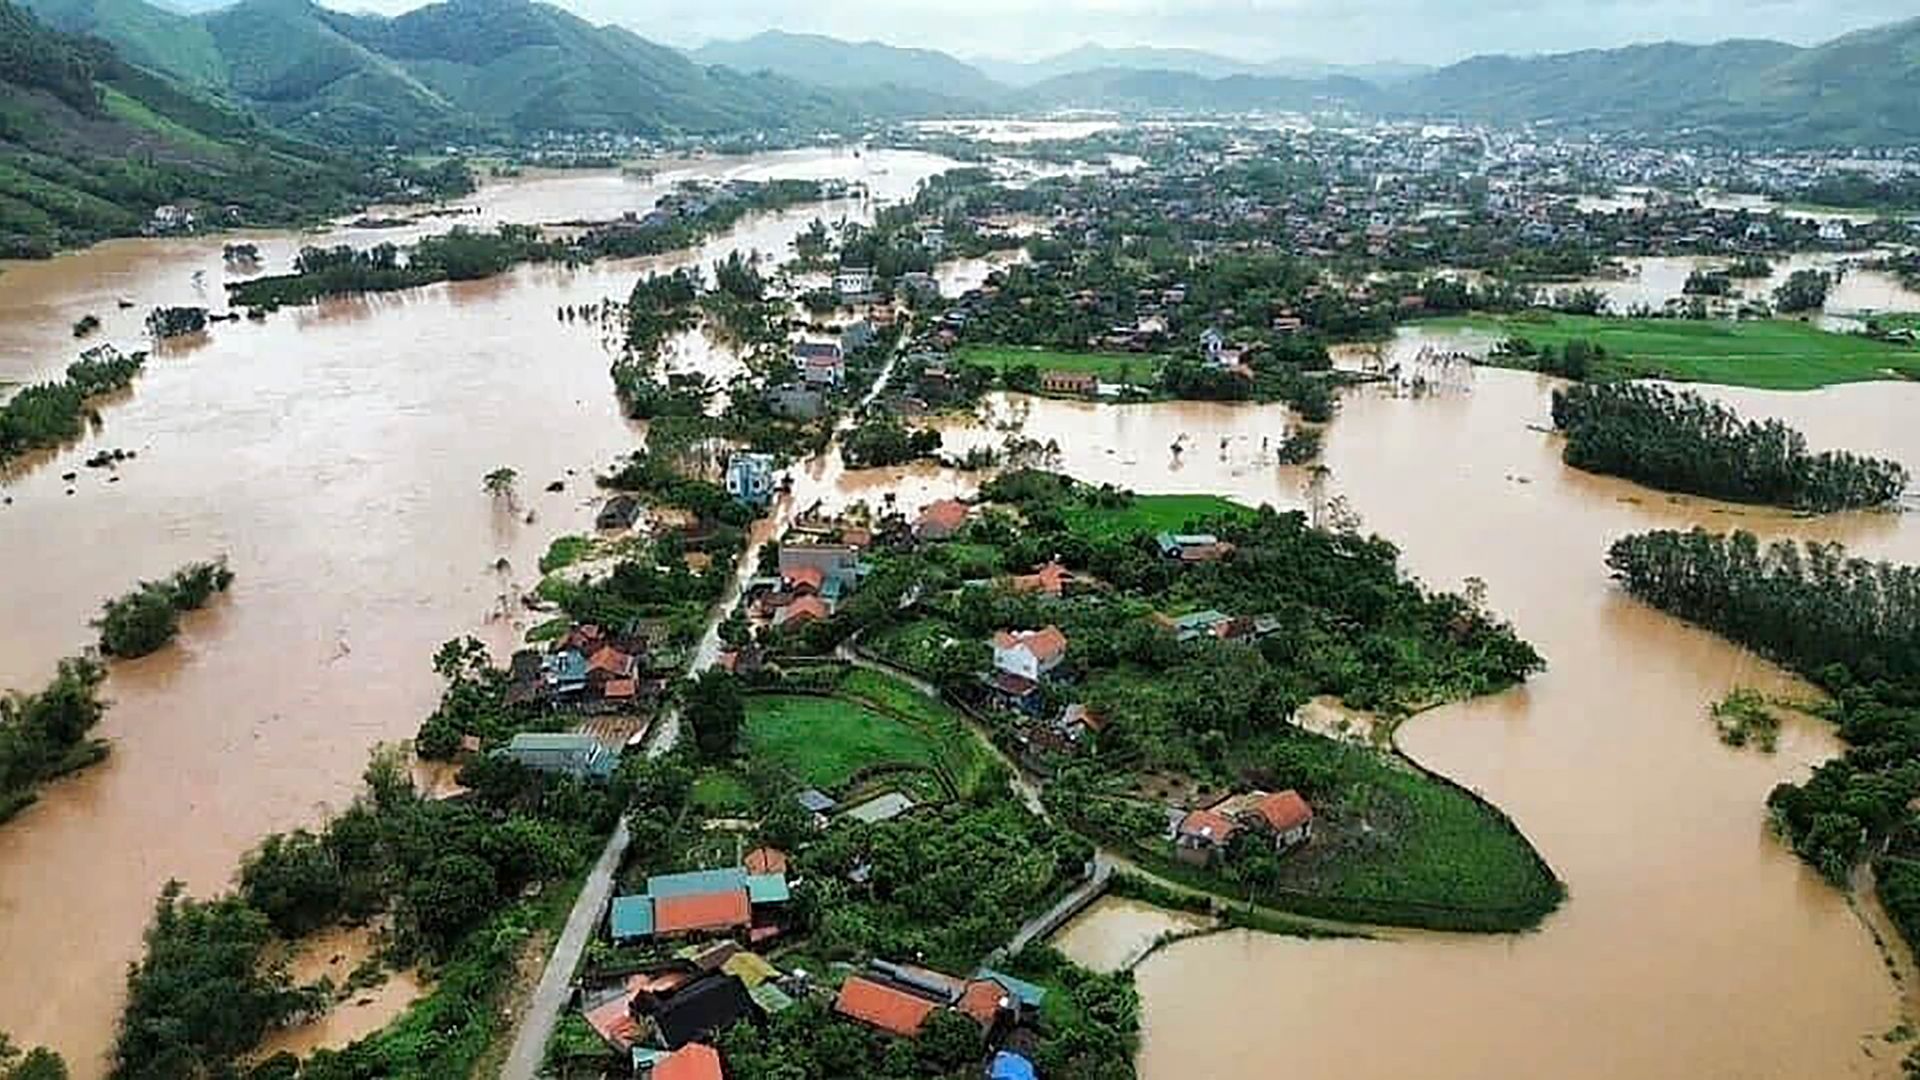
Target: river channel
<point>334,454</point>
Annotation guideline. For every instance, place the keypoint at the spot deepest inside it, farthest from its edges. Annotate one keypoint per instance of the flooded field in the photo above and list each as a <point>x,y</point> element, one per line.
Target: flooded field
<point>1652,281</point>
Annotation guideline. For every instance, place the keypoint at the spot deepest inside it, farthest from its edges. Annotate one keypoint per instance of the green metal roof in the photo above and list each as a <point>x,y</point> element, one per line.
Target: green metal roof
<point>631,917</point>
<point>553,740</point>
<point>694,882</point>
<point>767,889</point>
<point>770,998</point>
<point>1030,995</point>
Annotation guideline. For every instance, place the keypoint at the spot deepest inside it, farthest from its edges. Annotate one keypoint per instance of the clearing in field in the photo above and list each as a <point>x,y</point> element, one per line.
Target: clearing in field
<point>824,741</point>
<point>1767,354</point>
<point>1148,513</point>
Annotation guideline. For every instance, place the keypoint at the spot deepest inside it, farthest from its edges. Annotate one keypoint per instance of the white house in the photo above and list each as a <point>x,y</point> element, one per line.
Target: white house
<point>852,281</point>
<point>750,478</point>
<point>1029,654</point>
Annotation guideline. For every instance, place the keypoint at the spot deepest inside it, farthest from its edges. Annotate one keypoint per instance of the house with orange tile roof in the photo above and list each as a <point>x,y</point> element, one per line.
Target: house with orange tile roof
<point>1052,579</point>
<point>1029,654</point>
<point>1284,815</point>
<point>802,610</point>
<point>883,1006</point>
<point>941,520</point>
<point>694,1061</point>
<point>1202,835</point>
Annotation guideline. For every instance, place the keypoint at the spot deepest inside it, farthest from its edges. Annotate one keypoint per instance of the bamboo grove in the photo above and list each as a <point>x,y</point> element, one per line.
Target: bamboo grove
<point>1676,440</point>
<point>1852,627</point>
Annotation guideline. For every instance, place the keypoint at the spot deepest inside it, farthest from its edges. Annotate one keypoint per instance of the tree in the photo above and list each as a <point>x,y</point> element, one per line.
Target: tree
<point>451,896</point>
<point>1804,290</point>
<point>500,484</point>
<point>711,705</point>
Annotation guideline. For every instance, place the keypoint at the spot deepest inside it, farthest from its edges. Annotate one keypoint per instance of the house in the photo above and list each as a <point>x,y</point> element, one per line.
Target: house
<point>941,520</point>
<point>564,673</point>
<point>821,364</point>
<point>1192,547</point>
<point>1212,342</point>
<point>1030,654</point>
<point>899,998</point>
<point>1015,693</point>
<point>750,478</point>
<point>699,902</point>
<point>830,571</point>
<point>1080,383</point>
<point>1050,580</point>
<point>620,512</point>
<point>765,860</point>
<point>883,1006</point>
<point>1833,231</point>
<point>694,1012</point>
<point>579,756</point>
<point>1202,835</point>
<point>1075,721</point>
<point>801,611</point>
<point>853,282</point>
<point>1284,815</point>
<point>694,1061</point>
<point>919,287</point>
<point>934,239</point>
<point>816,803</point>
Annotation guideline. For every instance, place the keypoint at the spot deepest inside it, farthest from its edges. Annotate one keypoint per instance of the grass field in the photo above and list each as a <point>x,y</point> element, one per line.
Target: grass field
<point>1148,513</point>
<point>718,792</point>
<point>824,741</point>
<point>1766,354</point>
<point>960,750</point>
<point>1109,367</point>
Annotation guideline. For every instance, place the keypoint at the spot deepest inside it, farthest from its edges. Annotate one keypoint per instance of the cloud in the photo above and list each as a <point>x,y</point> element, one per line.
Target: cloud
<point>1345,31</point>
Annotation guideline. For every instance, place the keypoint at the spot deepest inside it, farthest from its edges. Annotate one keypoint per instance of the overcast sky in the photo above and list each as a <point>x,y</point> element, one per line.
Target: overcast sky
<point>1346,31</point>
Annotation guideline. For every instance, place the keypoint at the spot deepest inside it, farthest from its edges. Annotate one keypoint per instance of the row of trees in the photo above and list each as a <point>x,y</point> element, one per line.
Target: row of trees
<point>462,254</point>
<point>48,414</point>
<point>1574,360</point>
<point>147,618</point>
<point>1677,440</point>
<point>1852,627</point>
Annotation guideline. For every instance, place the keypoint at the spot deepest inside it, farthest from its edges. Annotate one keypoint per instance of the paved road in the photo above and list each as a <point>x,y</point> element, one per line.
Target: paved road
<point>556,980</point>
<point>1044,924</point>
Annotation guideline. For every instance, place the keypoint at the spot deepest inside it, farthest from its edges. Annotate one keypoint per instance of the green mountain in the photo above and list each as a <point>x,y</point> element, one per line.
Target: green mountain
<point>1858,89</point>
<point>846,65</point>
<point>90,145</point>
<point>142,34</point>
<point>1090,58</point>
<point>1130,90</point>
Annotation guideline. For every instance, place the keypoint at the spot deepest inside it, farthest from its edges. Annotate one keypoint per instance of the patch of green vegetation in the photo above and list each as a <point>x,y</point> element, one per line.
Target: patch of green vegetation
<point>122,107</point>
<point>564,552</point>
<point>1138,368</point>
<point>962,757</point>
<point>823,741</point>
<point>1765,354</point>
<point>1744,716</point>
<point>551,630</point>
<point>1147,514</point>
<point>719,792</point>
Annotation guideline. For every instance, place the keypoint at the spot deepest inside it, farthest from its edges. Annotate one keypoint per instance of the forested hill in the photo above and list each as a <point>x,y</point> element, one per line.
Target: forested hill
<point>1858,89</point>
<point>825,61</point>
<point>457,70</point>
<point>90,145</point>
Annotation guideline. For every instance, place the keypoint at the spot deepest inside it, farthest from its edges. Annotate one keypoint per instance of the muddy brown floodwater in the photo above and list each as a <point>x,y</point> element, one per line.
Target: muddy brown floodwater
<point>334,454</point>
<point>1692,944</point>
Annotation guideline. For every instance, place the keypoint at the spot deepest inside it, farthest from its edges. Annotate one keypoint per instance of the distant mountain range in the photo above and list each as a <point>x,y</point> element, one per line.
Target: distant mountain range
<point>465,69</point>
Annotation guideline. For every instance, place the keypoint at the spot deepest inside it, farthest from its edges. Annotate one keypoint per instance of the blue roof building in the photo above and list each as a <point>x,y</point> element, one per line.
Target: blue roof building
<point>631,918</point>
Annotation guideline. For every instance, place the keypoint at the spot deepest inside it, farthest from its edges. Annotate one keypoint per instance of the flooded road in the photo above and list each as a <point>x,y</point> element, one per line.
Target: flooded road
<point>334,455</point>
<point>1692,944</point>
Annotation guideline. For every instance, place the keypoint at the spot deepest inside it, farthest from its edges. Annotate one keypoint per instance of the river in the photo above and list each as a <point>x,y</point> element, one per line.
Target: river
<point>335,455</point>
<point>1692,943</point>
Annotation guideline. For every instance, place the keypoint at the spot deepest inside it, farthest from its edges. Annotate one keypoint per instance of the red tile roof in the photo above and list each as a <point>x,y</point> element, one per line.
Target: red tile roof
<point>701,911</point>
<point>610,660</point>
<point>619,688</point>
<point>1051,579</point>
<point>894,1011</point>
<point>806,607</point>
<point>948,514</point>
<point>1284,810</point>
<point>810,576</point>
<point>1046,645</point>
<point>694,1061</point>
<point>982,1001</point>
<point>1205,824</point>
<point>613,1021</point>
<point>765,860</point>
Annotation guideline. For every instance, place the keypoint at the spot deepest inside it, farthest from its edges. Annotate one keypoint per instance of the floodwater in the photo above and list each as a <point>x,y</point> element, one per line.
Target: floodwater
<point>1693,944</point>
<point>1113,933</point>
<point>1653,280</point>
<point>334,455</point>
